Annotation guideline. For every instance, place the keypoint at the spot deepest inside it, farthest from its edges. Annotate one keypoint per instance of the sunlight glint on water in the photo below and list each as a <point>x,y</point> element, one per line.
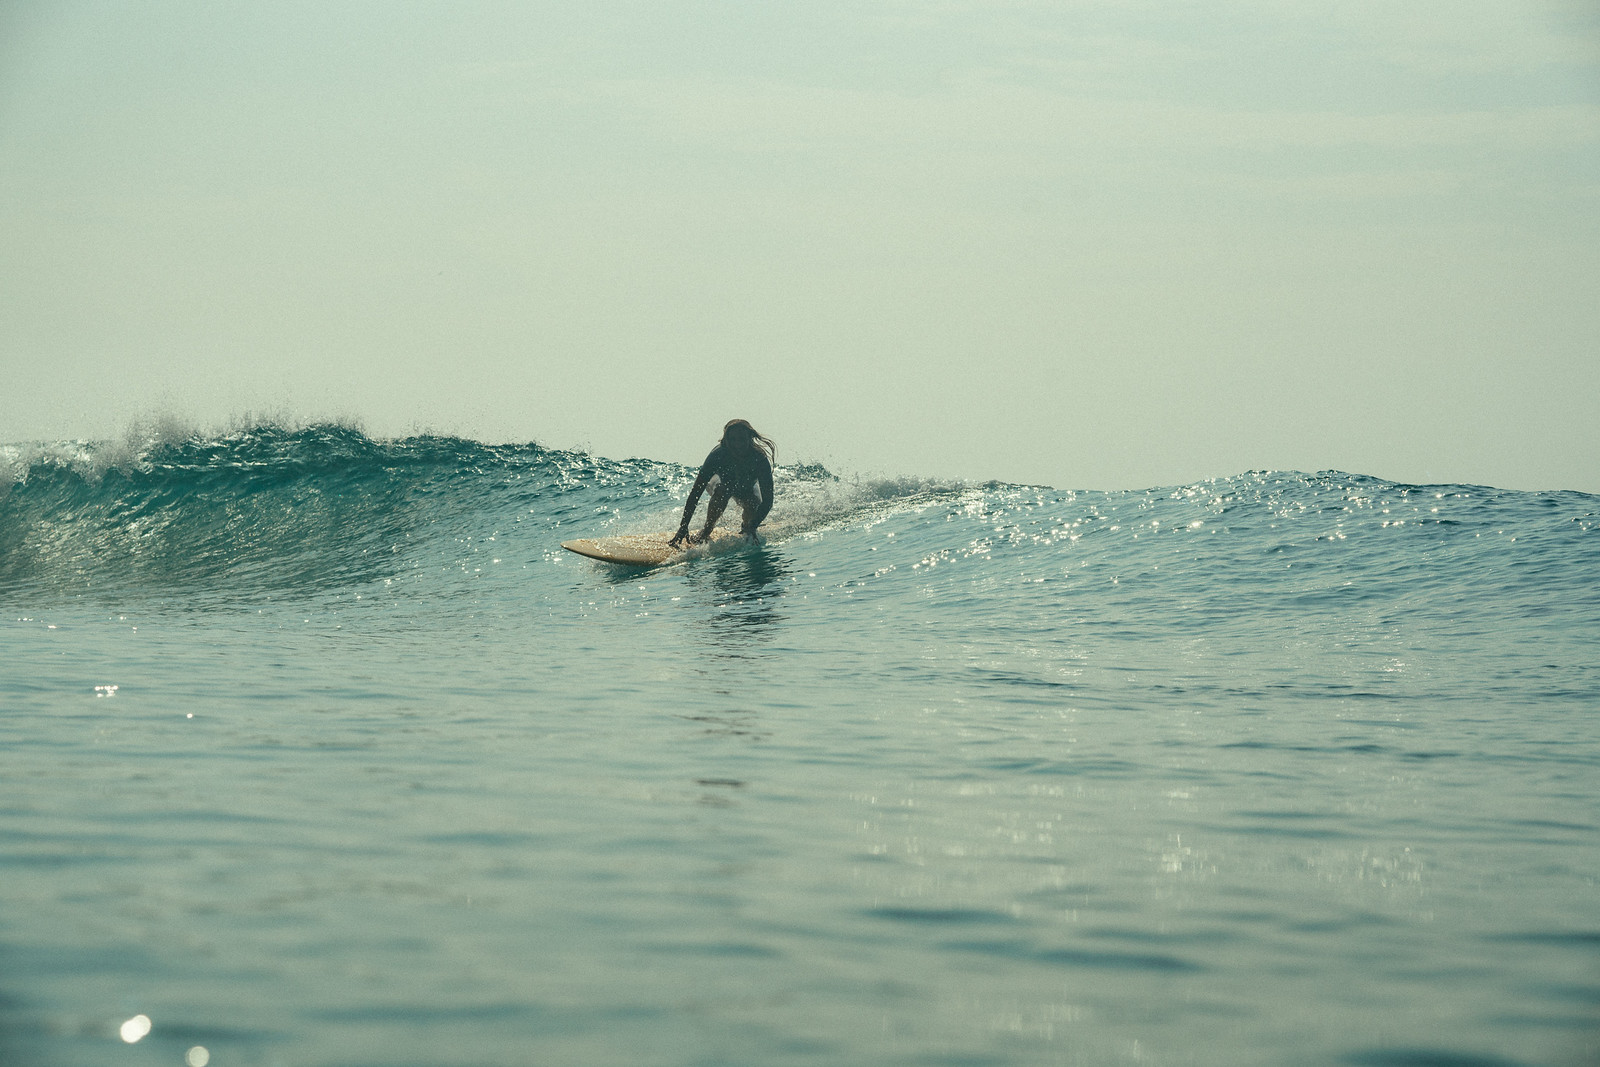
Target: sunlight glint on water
<point>318,750</point>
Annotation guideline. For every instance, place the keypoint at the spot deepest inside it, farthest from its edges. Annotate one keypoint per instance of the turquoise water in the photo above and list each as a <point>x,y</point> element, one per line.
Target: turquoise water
<point>317,749</point>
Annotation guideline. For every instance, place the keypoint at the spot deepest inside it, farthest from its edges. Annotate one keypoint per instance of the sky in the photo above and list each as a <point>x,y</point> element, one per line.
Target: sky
<point>1099,245</point>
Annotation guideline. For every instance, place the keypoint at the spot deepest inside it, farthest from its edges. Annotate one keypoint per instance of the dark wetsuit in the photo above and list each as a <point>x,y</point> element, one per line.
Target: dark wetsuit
<point>744,475</point>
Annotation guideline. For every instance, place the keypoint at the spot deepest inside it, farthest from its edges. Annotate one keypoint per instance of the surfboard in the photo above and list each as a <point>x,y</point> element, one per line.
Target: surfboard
<point>650,550</point>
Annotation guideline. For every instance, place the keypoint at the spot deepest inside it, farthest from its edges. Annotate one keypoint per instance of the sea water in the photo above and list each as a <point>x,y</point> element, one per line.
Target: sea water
<point>318,750</point>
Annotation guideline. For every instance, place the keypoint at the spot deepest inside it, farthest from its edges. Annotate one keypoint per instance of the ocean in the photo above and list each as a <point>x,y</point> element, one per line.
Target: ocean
<point>316,749</point>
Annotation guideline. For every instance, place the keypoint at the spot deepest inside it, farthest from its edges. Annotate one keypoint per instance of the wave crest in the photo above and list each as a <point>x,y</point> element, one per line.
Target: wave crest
<point>298,507</point>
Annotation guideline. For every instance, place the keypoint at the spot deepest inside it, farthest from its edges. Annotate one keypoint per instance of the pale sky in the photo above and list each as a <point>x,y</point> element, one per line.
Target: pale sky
<point>1081,244</point>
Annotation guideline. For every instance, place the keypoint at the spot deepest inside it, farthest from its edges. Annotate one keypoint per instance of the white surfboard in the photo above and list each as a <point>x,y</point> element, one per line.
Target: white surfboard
<point>650,550</point>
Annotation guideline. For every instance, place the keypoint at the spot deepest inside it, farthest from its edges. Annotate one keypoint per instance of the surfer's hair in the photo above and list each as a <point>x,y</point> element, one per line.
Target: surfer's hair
<point>738,431</point>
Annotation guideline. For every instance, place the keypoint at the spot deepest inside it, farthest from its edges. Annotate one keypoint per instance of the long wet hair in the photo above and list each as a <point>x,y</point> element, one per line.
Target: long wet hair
<point>739,432</point>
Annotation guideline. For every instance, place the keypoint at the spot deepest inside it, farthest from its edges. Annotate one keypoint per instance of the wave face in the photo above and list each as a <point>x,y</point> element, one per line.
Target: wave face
<point>274,508</point>
<point>319,749</point>
<point>325,506</point>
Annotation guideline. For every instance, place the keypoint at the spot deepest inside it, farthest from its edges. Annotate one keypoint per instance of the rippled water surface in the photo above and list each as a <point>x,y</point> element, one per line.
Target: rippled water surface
<point>319,750</point>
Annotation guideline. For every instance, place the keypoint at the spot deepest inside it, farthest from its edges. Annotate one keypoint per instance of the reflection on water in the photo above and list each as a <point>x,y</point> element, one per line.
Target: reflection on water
<point>740,593</point>
<point>734,594</point>
<point>743,575</point>
<point>734,723</point>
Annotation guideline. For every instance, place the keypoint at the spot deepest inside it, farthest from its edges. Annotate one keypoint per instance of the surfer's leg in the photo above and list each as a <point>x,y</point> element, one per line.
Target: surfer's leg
<point>714,509</point>
<point>747,508</point>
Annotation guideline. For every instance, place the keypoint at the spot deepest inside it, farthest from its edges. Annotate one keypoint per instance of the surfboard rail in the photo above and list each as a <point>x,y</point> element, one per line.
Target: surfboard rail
<point>651,549</point>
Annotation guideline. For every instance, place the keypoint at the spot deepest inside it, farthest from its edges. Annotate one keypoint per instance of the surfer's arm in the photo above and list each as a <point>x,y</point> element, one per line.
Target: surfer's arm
<point>700,482</point>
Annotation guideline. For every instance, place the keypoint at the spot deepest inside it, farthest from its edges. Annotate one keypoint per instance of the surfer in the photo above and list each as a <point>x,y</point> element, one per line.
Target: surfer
<point>740,468</point>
